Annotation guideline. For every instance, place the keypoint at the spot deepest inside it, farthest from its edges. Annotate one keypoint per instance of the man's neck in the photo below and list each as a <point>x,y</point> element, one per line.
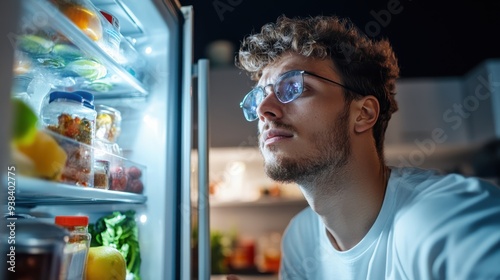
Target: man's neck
<point>349,200</point>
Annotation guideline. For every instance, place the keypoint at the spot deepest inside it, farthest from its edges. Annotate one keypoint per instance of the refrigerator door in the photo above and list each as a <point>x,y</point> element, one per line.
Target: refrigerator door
<point>8,13</point>
<point>185,237</point>
<point>191,72</point>
<point>159,139</point>
<point>204,258</point>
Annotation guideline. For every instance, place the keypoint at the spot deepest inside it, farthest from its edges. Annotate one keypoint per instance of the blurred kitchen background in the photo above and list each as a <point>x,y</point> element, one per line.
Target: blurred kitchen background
<point>448,94</point>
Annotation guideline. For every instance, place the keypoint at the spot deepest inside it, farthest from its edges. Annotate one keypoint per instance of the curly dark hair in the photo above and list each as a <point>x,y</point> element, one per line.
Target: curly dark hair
<point>368,66</point>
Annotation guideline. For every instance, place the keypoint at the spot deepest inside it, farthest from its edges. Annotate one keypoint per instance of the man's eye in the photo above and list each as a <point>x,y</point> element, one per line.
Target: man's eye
<point>290,89</point>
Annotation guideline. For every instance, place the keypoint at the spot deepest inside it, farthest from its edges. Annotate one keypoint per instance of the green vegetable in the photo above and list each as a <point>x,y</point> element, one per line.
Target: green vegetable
<point>88,69</point>
<point>53,62</point>
<point>102,85</point>
<point>220,249</point>
<point>34,44</point>
<point>119,230</point>
<point>25,121</point>
<point>217,251</point>
<point>67,51</point>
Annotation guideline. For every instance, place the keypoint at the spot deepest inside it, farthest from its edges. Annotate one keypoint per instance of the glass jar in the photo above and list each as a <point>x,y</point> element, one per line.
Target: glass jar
<point>33,249</point>
<point>72,115</point>
<point>101,174</point>
<point>108,123</point>
<point>77,247</point>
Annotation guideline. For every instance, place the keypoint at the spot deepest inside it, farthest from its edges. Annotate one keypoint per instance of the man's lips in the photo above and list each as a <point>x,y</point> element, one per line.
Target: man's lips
<point>274,135</point>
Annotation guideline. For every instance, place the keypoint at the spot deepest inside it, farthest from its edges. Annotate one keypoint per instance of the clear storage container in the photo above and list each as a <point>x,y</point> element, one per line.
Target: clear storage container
<point>101,174</point>
<point>72,115</point>
<point>108,123</point>
<point>111,34</point>
<point>77,247</point>
<point>84,15</point>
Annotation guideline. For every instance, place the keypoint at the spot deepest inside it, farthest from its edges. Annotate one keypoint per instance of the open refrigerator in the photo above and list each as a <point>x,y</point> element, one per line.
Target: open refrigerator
<point>150,78</point>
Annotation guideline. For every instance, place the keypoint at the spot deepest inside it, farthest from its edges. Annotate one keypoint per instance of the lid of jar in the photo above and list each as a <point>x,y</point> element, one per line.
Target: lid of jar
<point>35,236</point>
<point>88,98</point>
<point>72,220</point>
<point>88,104</point>
<point>65,95</point>
<point>109,110</point>
<point>83,97</point>
<point>86,95</point>
<point>111,19</point>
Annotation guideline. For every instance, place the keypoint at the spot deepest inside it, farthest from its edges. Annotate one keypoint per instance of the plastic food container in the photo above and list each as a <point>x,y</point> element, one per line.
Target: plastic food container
<point>108,123</point>
<point>72,115</point>
<point>111,34</point>
<point>77,247</point>
<point>84,15</point>
<point>101,174</point>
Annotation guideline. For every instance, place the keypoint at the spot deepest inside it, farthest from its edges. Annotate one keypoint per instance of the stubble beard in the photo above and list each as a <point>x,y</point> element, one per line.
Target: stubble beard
<point>332,150</point>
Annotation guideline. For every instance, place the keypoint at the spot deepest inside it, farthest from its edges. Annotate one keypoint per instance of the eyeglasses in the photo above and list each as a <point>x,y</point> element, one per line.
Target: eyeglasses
<point>288,87</point>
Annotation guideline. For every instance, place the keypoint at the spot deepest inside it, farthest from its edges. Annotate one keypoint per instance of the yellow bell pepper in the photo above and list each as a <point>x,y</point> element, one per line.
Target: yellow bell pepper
<point>48,157</point>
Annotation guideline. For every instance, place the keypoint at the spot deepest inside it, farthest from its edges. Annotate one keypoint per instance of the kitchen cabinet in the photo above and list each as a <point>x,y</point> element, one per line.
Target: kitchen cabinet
<point>443,122</point>
<point>228,127</point>
<point>481,102</point>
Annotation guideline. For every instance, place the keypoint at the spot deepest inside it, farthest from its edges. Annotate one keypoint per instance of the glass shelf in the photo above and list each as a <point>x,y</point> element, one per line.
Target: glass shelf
<point>32,191</point>
<point>262,202</point>
<point>52,49</point>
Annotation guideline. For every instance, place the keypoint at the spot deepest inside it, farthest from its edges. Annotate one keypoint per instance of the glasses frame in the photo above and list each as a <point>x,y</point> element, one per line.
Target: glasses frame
<point>252,116</point>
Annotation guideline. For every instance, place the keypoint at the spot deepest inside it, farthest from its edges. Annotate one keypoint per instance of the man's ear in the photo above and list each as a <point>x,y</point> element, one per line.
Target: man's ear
<point>367,113</point>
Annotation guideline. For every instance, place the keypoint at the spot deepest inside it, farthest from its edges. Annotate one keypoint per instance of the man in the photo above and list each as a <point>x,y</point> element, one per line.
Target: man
<point>323,99</point>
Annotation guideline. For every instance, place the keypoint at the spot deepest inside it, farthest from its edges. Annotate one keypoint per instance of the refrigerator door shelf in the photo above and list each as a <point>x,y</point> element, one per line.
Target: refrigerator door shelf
<point>50,47</point>
<point>33,192</point>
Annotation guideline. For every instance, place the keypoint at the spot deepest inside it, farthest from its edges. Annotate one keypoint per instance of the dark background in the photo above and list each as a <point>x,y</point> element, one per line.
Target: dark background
<point>431,38</point>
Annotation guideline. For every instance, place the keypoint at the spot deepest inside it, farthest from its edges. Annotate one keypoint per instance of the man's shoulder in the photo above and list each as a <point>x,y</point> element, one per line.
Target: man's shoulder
<point>421,184</point>
<point>303,237</point>
<point>444,221</point>
<point>305,223</point>
<point>305,218</point>
<point>444,202</point>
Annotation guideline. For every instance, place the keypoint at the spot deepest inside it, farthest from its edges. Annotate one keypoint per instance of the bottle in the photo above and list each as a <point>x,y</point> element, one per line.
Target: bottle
<point>77,247</point>
<point>111,34</point>
<point>73,115</point>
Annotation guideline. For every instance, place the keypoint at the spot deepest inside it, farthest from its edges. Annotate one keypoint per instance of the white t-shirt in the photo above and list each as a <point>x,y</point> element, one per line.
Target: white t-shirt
<point>430,226</point>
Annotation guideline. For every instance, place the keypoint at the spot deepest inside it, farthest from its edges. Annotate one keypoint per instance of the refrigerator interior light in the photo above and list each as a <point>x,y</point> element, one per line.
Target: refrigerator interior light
<point>143,219</point>
<point>148,50</point>
<point>233,184</point>
<point>151,122</point>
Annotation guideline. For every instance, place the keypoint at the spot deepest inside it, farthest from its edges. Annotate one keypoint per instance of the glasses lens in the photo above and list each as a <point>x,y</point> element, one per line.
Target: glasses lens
<point>289,86</point>
<point>250,103</point>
